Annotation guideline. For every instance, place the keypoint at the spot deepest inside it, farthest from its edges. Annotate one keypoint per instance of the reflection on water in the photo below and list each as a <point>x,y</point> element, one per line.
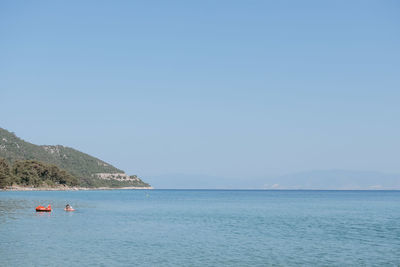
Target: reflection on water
<point>10,208</point>
<point>43,214</point>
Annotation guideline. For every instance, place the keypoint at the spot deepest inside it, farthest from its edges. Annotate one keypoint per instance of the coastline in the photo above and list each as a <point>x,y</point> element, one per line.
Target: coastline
<point>76,188</point>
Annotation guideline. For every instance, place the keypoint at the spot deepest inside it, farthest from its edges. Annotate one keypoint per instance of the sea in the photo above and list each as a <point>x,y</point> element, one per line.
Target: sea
<point>201,228</point>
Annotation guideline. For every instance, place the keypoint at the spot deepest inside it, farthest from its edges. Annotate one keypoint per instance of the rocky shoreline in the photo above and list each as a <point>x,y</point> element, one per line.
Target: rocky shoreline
<point>66,188</point>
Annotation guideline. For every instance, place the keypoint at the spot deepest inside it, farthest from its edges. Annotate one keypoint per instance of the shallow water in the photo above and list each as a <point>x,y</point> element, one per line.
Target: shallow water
<point>201,228</point>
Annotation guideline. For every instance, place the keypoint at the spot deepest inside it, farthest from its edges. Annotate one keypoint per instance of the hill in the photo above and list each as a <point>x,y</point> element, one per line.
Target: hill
<point>88,170</point>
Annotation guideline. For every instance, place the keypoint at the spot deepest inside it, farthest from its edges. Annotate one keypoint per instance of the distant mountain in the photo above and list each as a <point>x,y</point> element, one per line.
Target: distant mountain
<point>89,170</point>
<point>323,179</point>
<point>334,179</point>
<point>191,181</point>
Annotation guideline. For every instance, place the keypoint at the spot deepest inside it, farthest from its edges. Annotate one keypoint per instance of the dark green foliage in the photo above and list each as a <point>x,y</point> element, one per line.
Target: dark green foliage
<point>34,173</point>
<point>5,174</point>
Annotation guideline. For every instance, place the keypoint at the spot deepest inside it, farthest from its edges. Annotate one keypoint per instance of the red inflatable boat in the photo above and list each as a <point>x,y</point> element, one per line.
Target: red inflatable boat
<point>41,208</point>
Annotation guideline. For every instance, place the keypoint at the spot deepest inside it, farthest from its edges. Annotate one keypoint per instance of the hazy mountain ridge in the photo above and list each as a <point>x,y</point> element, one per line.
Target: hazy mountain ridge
<point>317,180</point>
<point>79,164</point>
<point>335,179</point>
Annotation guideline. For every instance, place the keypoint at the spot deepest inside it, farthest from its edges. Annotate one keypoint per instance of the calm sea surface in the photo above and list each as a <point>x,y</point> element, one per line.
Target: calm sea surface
<point>201,228</point>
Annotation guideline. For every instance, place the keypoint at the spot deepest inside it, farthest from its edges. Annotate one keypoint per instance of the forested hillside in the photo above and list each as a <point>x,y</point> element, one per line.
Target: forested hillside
<point>34,173</point>
<point>83,167</point>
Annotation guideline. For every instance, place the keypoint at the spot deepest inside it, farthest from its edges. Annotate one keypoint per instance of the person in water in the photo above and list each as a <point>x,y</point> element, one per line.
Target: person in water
<point>68,207</point>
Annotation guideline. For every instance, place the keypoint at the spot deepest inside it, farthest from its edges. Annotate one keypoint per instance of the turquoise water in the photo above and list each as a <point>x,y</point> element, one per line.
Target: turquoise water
<point>201,228</point>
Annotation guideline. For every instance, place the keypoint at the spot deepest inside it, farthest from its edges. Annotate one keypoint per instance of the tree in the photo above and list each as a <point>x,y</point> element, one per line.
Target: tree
<point>4,173</point>
<point>36,173</point>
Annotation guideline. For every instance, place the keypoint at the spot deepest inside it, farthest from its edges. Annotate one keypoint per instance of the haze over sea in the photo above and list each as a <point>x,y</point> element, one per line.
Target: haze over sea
<point>201,228</point>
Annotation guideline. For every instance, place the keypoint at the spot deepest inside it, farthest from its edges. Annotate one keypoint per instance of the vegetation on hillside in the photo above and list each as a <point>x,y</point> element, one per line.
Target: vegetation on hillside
<point>34,173</point>
<point>4,173</point>
<point>81,166</point>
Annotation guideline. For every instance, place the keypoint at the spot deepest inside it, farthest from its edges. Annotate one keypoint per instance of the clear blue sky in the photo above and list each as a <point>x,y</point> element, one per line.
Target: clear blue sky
<point>220,88</point>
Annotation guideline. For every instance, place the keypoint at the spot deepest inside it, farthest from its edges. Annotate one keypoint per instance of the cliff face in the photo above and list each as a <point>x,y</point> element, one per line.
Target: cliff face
<point>116,176</point>
<point>122,178</point>
<point>81,165</point>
